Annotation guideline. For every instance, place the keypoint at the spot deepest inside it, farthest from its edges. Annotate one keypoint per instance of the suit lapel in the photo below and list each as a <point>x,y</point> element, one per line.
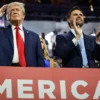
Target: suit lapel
<point>9,35</point>
<point>71,36</point>
<point>87,42</point>
<point>26,37</point>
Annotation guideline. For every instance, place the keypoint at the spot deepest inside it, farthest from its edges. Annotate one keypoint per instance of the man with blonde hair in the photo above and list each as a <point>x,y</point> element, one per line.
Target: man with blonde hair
<point>18,46</point>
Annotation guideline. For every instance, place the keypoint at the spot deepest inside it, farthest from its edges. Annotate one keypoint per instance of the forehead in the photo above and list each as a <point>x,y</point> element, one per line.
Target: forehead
<point>15,6</point>
<point>76,12</point>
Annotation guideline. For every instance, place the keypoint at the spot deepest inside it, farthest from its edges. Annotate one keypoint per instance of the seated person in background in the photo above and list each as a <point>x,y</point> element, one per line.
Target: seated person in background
<point>77,49</point>
<point>49,62</point>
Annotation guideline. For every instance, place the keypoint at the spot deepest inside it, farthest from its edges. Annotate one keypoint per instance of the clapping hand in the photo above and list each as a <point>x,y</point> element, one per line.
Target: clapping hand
<point>77,29</point>
<point>98,35</point>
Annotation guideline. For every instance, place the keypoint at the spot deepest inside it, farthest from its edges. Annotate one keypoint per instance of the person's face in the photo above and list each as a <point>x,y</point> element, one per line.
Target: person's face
<point>76,15</point>
<point>16,14</point>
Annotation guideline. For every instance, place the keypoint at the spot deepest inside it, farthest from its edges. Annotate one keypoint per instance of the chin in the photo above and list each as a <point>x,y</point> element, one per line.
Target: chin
<point>80,24</point>
<point>15,20</point>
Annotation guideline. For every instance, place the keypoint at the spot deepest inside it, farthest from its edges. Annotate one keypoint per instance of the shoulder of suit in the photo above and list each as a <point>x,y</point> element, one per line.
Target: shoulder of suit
<point>63,35</point>
<point>29,31</point>
<point>89,37</point>
<point>4,27</point>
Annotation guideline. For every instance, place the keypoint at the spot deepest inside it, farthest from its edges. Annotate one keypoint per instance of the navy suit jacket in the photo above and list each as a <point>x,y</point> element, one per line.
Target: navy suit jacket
<point>71,55</point>
<point>33,50</point>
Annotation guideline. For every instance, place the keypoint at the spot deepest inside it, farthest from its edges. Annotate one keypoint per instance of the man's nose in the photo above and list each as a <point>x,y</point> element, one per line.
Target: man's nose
<point>15,12</point>
<point>78,15</point>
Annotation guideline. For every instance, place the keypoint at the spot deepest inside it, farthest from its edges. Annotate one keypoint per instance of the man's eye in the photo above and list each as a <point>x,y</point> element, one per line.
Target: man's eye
<point>75,14</point>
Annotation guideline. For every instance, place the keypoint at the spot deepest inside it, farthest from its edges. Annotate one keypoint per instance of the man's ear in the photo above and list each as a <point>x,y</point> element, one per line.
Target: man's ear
<point>24,17</point>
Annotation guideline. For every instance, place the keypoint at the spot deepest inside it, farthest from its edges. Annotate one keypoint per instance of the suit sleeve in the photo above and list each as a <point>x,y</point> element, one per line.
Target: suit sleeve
<point>97,52</point>
<point>40,57</point>
<point>96,49</point>
<point>64,46</point>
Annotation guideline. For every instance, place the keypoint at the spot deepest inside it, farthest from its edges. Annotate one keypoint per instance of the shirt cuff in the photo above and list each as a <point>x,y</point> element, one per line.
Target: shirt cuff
<point>75,41</point>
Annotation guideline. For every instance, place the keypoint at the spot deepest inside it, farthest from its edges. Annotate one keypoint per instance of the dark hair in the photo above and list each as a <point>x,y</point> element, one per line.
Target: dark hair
<point>72,9</point>
<point>43,35</point>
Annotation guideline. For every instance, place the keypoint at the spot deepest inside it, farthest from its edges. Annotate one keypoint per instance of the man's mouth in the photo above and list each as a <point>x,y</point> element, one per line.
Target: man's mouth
<point>79,20</point>
<point>16,15</point>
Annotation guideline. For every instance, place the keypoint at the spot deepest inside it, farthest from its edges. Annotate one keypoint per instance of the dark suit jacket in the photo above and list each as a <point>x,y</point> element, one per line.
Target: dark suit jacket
<point>71,55</point>
<point>33,51</point>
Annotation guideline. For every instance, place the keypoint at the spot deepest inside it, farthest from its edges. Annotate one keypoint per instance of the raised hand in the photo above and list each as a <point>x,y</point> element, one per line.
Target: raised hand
<point>98,34</point>
<point>2,10</point>
<point>77,29</point>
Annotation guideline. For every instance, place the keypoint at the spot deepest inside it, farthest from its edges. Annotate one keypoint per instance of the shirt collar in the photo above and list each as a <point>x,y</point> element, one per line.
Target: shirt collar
<point>20,26</point>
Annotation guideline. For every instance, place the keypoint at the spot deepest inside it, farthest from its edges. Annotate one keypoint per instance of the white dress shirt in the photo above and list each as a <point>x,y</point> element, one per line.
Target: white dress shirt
<point>15,55</point>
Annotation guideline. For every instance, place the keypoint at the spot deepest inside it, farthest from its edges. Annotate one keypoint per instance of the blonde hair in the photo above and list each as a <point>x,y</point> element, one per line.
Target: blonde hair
<point>46,56</point>
<point>45,50</point>
<point>21,5</point>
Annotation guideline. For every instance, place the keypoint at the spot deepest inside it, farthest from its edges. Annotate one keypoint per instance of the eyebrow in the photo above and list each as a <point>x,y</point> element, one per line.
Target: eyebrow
<point>79,14</point>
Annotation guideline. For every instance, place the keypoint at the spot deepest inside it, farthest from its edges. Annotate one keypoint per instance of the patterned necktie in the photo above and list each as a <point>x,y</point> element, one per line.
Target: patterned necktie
<point>83,51</point>
<point>20,46</point>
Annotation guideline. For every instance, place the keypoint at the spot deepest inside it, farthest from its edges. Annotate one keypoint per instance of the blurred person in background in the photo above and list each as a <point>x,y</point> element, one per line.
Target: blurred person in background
<point>54,56</point>
<point>18,46</point>
<point>53,49</point>
<point>77,49</point>
<point>49,62</point>
<point>43,36</point>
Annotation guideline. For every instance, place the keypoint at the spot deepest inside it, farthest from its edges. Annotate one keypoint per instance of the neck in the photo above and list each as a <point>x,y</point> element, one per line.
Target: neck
<point>16,23</point>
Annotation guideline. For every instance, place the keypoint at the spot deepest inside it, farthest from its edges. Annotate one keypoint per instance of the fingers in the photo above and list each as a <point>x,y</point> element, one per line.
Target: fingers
<point>98,31</point>
<point>98,34</point>
<point>4,7</point>
<point>2,10</point>
<point>77,28</point>
<point>99,27</point>
<point>98,38</point>
<point>74,24</point>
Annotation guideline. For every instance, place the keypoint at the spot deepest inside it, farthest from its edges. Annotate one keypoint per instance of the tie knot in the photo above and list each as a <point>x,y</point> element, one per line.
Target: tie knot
<point>17,27</point>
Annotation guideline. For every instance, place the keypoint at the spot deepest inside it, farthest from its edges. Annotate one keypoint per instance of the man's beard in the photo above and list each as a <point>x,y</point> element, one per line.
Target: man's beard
<point>79,24</point>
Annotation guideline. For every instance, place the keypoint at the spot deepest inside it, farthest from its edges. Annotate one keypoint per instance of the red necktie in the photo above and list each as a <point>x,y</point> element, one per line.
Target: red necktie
<point>20,46</point>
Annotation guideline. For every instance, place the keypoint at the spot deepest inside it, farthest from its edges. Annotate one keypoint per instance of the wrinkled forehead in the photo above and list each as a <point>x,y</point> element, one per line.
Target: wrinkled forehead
<point>14,6</point>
